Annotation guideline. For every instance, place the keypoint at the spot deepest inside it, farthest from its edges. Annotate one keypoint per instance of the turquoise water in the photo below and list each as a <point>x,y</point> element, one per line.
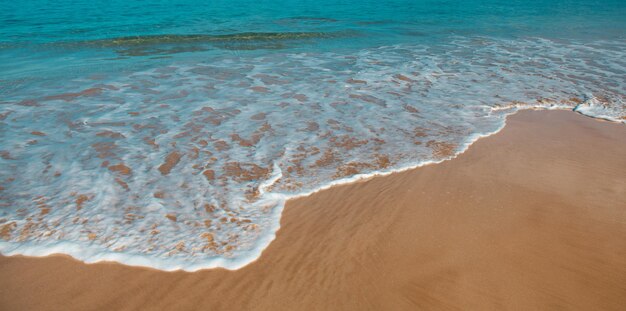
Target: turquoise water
<point>170,133</point>
<point>51,35</point>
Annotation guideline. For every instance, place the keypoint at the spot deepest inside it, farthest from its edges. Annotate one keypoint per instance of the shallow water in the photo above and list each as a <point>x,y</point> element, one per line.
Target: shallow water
<point>170,135</point>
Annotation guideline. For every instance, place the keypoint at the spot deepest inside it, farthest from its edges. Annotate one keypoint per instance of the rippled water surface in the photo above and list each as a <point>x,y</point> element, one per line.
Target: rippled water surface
<point>170,133</point>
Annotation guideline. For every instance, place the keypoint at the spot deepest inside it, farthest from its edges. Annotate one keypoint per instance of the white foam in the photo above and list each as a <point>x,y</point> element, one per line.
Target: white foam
<point>596,109</point>
<point>410,104</point>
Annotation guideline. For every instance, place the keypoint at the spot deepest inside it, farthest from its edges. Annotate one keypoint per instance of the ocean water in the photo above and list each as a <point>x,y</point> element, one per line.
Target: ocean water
<point>169,134</point>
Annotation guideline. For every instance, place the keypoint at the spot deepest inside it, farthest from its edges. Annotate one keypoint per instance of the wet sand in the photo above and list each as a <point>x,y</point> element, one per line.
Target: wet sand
<point>533,217</point>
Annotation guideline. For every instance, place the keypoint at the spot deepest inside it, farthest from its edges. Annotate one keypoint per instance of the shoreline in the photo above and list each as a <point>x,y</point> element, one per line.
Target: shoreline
<point>76,251</point>
<point>529,218</point>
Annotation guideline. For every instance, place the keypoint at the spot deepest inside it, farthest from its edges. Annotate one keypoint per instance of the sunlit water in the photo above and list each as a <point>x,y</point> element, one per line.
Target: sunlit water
<point>170,134</point>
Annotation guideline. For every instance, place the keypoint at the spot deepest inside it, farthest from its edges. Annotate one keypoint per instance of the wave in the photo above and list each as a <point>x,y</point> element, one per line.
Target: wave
<point>208,38</point>
<point>179,43</point>
<point>189,166</point>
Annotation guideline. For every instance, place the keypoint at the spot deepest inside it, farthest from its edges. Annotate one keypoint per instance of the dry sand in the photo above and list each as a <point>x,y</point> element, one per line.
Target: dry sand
<point>531,218</point>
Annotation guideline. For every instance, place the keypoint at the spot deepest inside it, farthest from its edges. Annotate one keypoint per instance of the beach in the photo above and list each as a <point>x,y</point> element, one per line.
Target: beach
<point>532,217</point>
<point>171,135</point>
<point>325,155</point>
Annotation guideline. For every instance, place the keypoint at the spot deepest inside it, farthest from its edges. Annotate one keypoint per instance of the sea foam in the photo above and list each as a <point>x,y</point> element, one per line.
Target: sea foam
<point>189,166</point>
